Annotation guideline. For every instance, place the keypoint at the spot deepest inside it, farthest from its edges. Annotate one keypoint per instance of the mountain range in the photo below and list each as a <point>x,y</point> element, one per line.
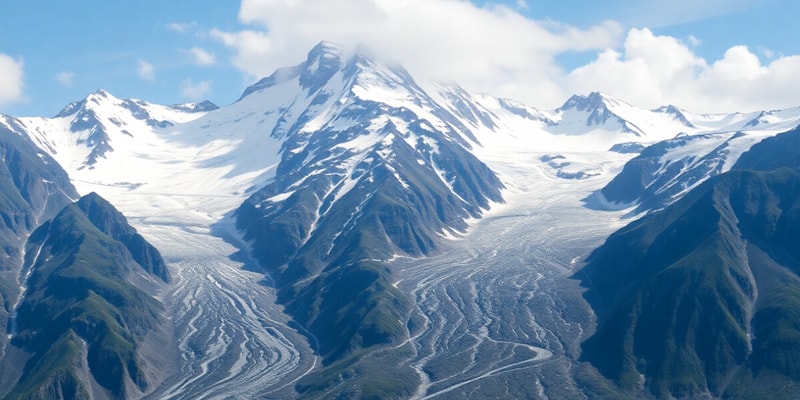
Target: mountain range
<point>328,177</point>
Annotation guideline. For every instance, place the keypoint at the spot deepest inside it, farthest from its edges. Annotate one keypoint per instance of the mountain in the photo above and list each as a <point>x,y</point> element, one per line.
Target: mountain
<point>371,168</point>
<point>83,313</point>
<point>601,111</point>
<point>91,128</point>
<point>781,151</point>
<point>701,297</point>
<point>334,167</point>
<point>33,187</point>
<point>666,170</point>
<point>112,223</point>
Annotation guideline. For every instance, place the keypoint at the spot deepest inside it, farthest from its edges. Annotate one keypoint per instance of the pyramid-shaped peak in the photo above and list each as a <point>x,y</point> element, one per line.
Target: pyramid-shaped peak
<point>96,98</point>
<point>325,49</point>
<point>324,60</point>
<point>590,102</point>
<point>600,97</point>
<point>676,113</point>
<point>100,95</point>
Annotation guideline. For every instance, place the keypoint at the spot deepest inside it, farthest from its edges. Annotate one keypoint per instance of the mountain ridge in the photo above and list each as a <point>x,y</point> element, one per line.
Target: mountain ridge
<point>400,168</point>
<point>79,313</point>
<point>697,298</point>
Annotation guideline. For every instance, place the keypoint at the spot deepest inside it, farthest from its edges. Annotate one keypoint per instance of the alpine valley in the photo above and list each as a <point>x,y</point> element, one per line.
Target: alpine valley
<point>342,231</point>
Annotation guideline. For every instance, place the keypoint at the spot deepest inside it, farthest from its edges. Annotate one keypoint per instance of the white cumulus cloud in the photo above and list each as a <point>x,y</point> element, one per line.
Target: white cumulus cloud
<point>200,56</point>
<point>195,91</point>
<point>146,71</point>
<point>497,50</point>
<point>12,83</point>
<point>483,48</point>
<point>653,70</point>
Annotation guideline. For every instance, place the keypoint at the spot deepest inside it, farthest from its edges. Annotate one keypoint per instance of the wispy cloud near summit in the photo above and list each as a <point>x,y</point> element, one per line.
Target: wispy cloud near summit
<point>496,49</point>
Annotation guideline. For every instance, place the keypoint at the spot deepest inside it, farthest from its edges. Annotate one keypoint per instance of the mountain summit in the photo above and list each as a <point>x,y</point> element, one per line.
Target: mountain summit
<point>370,168</point>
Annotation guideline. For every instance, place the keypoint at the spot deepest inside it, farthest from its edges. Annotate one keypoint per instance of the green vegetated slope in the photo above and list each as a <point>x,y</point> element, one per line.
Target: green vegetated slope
<point>703,297</point>
<point>33,187</point>
<point>81,319</point>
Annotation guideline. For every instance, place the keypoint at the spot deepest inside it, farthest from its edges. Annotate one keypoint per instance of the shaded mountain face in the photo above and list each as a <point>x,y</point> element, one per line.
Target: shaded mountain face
<point>112,223</point>
<point>370,168</point>
<point>702,296</point>
<point>665,171</point>
<point>33,187</point>
<point>81,317</point>
<point>780,151</point>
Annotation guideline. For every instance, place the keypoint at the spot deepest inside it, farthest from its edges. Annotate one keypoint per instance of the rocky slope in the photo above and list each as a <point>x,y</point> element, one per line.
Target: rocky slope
<point>83,312</point>
<point>700,298</point>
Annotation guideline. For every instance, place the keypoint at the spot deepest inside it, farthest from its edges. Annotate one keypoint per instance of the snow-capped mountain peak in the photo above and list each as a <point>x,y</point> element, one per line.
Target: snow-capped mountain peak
<point>591,102</point>
<point>203,106</point>
<point>322,61</point>
<point>677,113</point>
<point>599,110</point>
<point>86,131</point>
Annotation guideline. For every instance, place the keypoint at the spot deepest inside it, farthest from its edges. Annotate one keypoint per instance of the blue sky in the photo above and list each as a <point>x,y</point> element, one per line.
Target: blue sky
<point>683,52</point>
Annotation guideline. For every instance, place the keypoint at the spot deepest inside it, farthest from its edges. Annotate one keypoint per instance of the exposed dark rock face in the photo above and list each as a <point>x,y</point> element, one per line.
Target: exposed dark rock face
<point>349,195</point>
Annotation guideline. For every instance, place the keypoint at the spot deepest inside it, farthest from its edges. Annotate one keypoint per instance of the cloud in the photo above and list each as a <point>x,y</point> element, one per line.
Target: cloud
<point>146,71</point>
<point>200,56</point>
<point>655,70</point>
<point>766,52</point>
<point>658,63</point>
<point>195,91</point>
<point>253,49</point>
<point>12,83</point>
<point>495,49</point>
<point>481,47</point>
<point>65,78</point>
<point>182,27</point>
